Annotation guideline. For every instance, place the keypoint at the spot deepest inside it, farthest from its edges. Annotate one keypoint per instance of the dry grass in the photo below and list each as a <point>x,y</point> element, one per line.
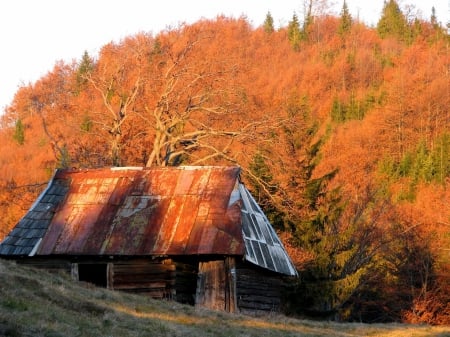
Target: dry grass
<point>36,303</point>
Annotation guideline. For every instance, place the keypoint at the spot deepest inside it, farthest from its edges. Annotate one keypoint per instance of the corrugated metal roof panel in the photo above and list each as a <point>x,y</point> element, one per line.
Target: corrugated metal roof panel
<point>146,211</point>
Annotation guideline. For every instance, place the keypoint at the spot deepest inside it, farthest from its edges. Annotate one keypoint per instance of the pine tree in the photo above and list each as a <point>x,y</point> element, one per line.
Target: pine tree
<point>19,132</point>
<point>392,22</point>
<point>345,23</point>
<point>308,19</point>
<point>263,187</point>
<point>314,217</point>
<point>86,124</point>
<point>441,158</point>
<point>64,158</point>
<point>85,67</point>
<point>268,24</point>
<point>294,33</point>
<point>423,164</point>
<point>86,64</point>
<point>433,18</point>
<point>439,31</point>
<point>338,110</point>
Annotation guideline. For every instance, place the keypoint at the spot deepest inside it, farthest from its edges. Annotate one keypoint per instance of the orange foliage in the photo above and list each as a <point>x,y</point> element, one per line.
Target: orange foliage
<point>250,75</point>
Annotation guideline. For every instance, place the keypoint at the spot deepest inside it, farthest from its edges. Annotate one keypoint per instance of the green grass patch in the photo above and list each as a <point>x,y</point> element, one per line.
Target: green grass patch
<point>37,303</point>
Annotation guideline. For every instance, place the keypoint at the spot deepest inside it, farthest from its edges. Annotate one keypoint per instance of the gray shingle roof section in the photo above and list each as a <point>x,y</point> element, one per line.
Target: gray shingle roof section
<point>262,245</point>
<point>32,227</point>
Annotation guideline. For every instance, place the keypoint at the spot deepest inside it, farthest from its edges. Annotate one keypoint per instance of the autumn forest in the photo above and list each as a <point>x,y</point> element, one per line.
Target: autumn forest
<point>341,131</point>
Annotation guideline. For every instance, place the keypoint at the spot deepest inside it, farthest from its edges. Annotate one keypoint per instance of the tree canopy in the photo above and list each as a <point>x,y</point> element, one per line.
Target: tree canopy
<point>341,131</point>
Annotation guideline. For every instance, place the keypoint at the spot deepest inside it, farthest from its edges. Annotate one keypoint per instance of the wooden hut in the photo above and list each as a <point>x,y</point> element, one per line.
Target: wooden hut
<point>192,234</point>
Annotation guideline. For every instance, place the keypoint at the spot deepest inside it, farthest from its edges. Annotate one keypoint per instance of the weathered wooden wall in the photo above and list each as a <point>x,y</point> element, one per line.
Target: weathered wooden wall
<point>147,277</point>
<point>221,284</point>
<point>258,291</point>
<point>160,279</point>
<point>52,265</point>
<point>216,285</point>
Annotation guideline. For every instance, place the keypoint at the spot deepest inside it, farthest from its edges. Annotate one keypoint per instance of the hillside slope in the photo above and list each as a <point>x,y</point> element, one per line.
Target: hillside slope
<point>343,137</point>
<point>37,303</point>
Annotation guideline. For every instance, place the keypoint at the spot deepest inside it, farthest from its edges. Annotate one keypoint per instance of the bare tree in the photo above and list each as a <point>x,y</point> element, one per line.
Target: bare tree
<point>119,82</point>
<point>118,111</point>
<point>196,98</point>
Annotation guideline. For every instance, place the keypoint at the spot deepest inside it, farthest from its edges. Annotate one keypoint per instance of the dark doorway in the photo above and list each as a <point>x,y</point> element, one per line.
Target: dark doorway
<point>93,273</point>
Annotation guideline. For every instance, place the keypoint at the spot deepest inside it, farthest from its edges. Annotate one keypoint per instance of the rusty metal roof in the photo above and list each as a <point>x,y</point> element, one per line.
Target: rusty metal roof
<point>148,211</point>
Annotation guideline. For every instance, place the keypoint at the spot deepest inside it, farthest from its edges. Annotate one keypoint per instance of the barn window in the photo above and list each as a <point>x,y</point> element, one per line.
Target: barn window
<point>93,273</point>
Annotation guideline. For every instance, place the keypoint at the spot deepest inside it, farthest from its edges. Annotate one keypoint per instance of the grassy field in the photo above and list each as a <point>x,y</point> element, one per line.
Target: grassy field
<point>36,303</point>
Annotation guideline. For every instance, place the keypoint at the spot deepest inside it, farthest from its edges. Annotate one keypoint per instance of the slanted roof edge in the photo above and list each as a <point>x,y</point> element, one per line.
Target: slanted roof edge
<point>35,248</point>
<point>33,206</point>
<point>291,270</point>
<point>39,198</point>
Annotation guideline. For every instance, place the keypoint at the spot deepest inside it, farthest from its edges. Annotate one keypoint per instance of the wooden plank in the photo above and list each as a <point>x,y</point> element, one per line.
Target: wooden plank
<point>230,295</point>
<point>145,276</point>
<point>261,299</point>
<point>143,285</point>
<point>110,276</point>
<point>251,291</point>
<point>211,286</point>
<point>52,265</point>
<point>216,287</point>
<point>153,278</point>
<point>258,291</point>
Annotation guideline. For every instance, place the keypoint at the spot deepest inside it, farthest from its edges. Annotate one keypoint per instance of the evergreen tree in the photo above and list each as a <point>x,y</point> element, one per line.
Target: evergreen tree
<point>294,33</point>
<point>64,158</point>
<point>405,165</point>
<point>337,111</point>
<point>441,158</point>
<point>263,187</point>
<point>345,22</point>
<point>308,19</point>
<point>314,217</point>
<point>86,124</point>
<point>354,109</point>
<point>439,31</point>
<point>268,24</point>
<point>85,67</point>
<point>423,164</point>
<point>19,132</point>
<point>416,29</point>
<point>433,18</point>
<point>392,22</point>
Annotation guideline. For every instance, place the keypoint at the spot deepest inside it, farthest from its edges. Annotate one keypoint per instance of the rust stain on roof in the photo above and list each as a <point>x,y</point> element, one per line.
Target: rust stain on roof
<point>146,211</point>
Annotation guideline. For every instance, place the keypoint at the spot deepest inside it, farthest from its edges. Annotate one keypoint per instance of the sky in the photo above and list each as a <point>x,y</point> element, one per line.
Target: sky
<point>34,35</point>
